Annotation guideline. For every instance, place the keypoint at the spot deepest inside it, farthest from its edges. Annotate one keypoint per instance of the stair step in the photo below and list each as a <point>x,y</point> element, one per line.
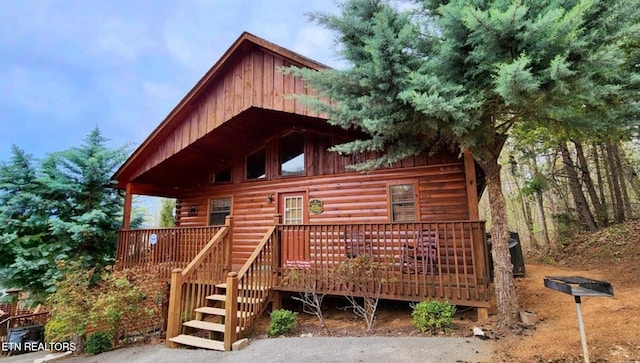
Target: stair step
<point>198,342</point>
<point>241,299</point>
<point>219,312</point>
<point>210,311</point>
<point>242,287</point>
<point>204,325</point>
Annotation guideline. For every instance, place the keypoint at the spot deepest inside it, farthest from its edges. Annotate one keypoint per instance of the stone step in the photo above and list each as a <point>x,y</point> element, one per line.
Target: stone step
<point>198,342</point>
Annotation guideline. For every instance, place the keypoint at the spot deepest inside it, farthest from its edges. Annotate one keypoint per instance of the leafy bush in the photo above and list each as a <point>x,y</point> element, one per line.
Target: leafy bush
<point>98,342</point>
<point>433,315</point>
<point>282,322</point>
<point>119,303</point>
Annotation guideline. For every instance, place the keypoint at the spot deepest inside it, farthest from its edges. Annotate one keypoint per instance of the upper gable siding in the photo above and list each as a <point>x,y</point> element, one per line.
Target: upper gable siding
<point>255,80</point>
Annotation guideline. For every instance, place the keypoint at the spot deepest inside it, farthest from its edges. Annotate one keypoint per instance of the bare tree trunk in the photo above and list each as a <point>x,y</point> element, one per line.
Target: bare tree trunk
<point>614,173</point>
<point>631,175</point>
<point>506,298</point>
<point>538,195</point>
<point>601,214</point>
<point>603,200</point>
<point>582,207</point>
<point>623,185</point>
<point>526,210</point>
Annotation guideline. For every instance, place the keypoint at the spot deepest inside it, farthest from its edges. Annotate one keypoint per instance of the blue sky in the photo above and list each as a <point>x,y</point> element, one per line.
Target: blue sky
<point>69,66</point>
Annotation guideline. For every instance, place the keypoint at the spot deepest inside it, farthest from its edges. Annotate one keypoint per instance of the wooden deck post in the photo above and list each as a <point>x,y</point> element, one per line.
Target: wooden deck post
<point>175,300</point>
<point>126,214</point>
<point>231,311</point>
<point>228,245</point>
<point>276,297</point>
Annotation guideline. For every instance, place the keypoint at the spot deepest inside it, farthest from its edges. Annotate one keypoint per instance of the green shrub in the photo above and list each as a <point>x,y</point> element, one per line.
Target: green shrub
<point>433,315</point>
<point>98,342</point>
<point>282,322</point>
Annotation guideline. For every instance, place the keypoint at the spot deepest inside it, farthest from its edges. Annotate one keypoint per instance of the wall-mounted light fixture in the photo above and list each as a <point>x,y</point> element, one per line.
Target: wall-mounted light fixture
<point>193,211</point>
<point>270,198</point>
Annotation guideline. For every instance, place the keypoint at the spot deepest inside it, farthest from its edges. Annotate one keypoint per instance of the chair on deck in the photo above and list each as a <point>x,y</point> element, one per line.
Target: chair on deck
<point>422,255</point>
<point>356,244</point>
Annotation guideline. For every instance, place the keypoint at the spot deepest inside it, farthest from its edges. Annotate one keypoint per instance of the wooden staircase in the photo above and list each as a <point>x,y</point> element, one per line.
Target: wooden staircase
<point>211,319</point>
<point>232,306</point>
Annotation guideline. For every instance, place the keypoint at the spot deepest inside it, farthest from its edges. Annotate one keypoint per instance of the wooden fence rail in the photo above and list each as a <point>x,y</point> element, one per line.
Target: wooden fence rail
<point>445,260</point>
<point>161,250</point>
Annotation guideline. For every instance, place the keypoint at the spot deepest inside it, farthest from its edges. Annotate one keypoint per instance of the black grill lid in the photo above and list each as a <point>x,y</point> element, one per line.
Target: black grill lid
<point>579,286</point>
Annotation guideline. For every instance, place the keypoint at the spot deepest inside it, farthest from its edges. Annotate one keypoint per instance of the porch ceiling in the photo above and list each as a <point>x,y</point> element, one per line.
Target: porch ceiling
<point>236,137</point>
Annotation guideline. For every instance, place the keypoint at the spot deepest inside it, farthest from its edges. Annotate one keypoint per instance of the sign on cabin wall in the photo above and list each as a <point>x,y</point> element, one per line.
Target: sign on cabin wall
<point>315,206</point>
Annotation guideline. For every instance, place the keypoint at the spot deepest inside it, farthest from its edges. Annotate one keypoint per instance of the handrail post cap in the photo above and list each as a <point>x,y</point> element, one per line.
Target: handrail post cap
<point>232,274</point>
<point>176,270</point>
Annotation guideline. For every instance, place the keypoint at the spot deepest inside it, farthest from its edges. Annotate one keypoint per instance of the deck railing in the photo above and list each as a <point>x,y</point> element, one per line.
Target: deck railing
<point>445,260</point>
<point>161,250</point>
<point>191,285</point>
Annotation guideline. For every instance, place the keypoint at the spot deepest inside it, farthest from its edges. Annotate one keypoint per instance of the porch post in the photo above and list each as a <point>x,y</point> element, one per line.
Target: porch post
<point>228,244</point>
<point>276,297</point>
<point>472,188</point>
<point>175,300</point>
<point>126,215</point>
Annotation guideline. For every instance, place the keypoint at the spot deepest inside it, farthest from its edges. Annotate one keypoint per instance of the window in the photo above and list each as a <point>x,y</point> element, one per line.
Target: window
<point>218,210</point>
<point>293,210</point>
<point>256,162</point>
<point>403,203</point>
<point>292,154</point>
<point>223,176</point>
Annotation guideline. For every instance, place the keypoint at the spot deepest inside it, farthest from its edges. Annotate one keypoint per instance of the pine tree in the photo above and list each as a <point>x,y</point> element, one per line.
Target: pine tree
<point>167,207</point>
<point>88,211</point>
<point>27,260</point>
<point>463,73</point>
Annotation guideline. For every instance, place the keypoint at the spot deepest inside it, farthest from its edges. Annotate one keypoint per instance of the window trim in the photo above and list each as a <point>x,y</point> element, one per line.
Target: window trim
<point>416,200</point>
<point>209,200</point>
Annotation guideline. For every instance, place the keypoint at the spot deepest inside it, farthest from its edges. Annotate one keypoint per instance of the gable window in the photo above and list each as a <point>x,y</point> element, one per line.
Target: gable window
<point>403,203</point>
<point>218,209</point>
<point>256,165</point>
<point>223,176</point>
<point>292,154</point>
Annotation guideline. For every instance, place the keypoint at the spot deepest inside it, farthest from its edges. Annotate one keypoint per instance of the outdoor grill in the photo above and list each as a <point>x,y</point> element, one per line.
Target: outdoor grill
<point>577,287</point>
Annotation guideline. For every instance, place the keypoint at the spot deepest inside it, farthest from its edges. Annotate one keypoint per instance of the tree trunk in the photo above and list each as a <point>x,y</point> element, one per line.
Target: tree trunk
<point>542,218</point>
<point>603,199</point>
<point>526,210</point>
<point>601,214</point>
<point>618,206</point>
<point>623,185</point>
<point>582,207</point>
<point>506,298</point>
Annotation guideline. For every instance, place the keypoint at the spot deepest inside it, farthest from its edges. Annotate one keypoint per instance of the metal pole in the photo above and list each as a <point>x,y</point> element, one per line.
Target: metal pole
<point>583,334</point>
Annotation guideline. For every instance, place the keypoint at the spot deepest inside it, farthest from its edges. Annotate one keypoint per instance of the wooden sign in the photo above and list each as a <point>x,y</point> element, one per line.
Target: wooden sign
<point>315,206</point>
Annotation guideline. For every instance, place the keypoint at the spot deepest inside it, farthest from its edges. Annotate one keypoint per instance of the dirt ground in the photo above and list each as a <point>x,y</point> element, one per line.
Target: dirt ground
<point>612,324</point>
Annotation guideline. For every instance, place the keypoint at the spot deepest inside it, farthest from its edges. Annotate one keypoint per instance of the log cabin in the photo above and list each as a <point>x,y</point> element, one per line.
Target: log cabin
<point>259,195</point>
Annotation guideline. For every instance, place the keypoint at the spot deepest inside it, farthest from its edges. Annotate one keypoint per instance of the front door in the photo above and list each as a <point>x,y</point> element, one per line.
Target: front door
<point>295,243</point>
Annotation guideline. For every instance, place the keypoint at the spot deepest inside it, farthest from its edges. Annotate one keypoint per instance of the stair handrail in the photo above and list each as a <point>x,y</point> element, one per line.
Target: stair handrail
<point>180,276</point>
<point>234,281</point>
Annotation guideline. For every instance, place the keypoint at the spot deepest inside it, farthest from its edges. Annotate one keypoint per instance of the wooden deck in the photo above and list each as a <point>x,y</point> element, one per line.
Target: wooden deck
<point>444,260</point>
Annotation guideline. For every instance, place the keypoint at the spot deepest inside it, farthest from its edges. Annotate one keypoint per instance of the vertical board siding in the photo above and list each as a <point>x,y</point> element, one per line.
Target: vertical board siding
<point>253,79</point>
